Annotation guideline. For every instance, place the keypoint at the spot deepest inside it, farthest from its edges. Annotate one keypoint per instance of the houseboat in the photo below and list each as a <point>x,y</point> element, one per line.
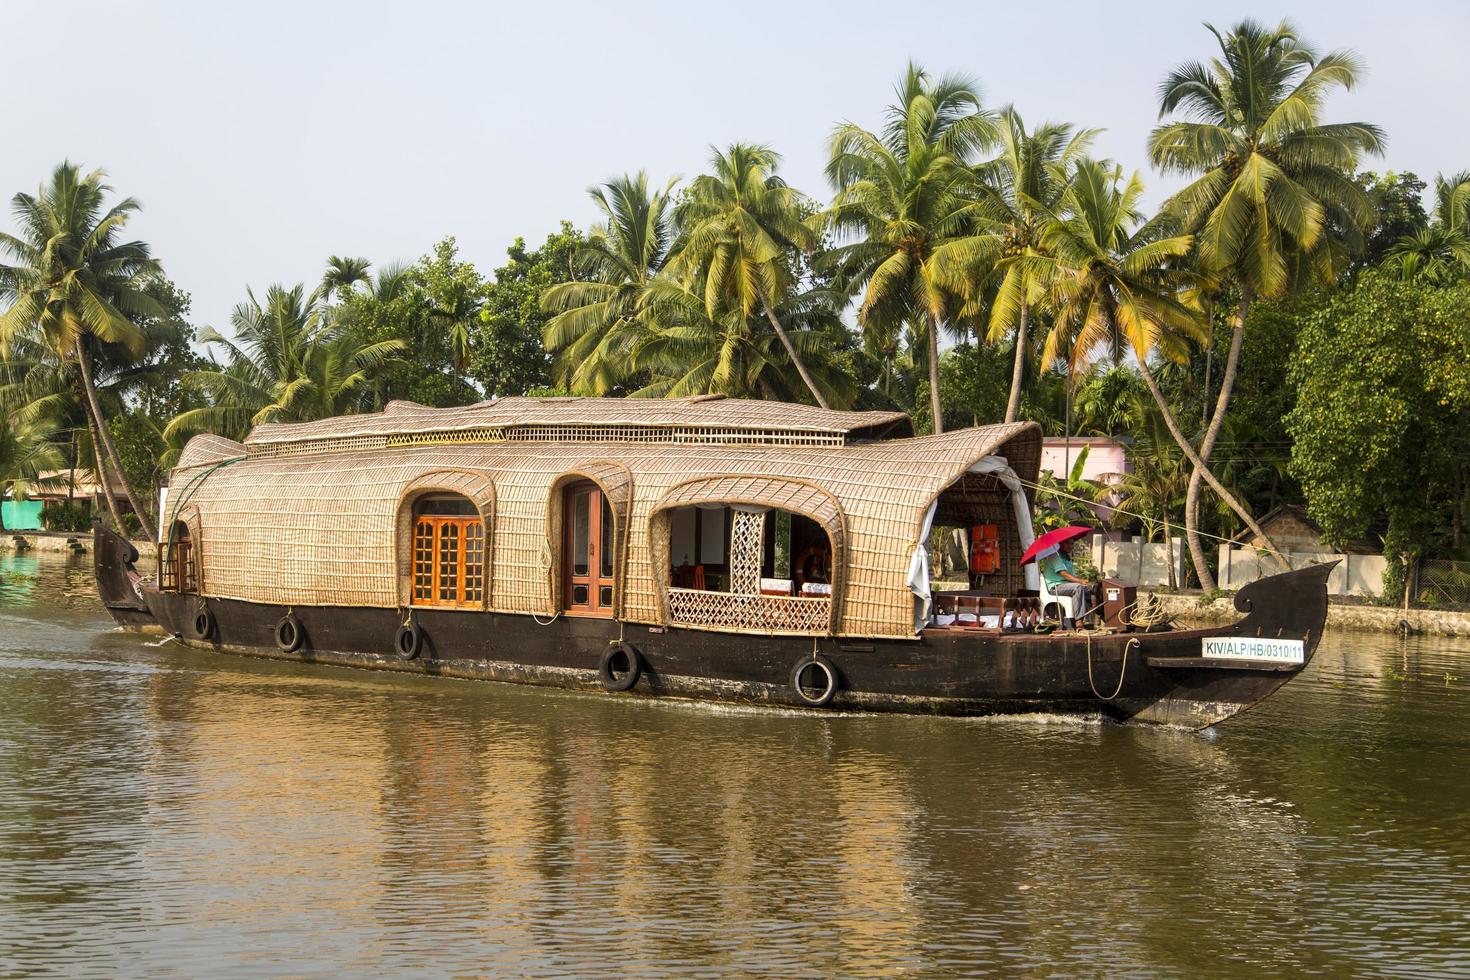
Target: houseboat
<point>706,548</point>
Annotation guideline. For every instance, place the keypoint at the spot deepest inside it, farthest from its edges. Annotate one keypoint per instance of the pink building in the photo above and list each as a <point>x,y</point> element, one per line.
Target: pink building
<point>1106,463</point>
<point>1106,459</point>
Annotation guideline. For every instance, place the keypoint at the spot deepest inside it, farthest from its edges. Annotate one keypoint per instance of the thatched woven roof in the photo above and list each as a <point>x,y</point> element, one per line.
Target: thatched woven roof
<point>715,414</point>
<point>319,529</point>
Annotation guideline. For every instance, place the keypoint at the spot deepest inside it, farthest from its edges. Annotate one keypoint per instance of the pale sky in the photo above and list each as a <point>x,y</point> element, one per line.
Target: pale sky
<point>262,137</point>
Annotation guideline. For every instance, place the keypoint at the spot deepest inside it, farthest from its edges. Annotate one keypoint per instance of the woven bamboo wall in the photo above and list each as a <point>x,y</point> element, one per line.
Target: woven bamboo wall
<point>321,530</point>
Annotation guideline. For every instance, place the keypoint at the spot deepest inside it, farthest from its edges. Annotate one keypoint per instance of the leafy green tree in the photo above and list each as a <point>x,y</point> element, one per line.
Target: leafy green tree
<point>1440,250</point>
<point>453,295</point>
<point>907,206</point>
<point>1022,188</point>
<point>597,316</point>
<point>1396,203</point>
<point>1062,501</point>
<point>285,363</point>
<point>75,284</point>
<point>1271,179</point>
<point>1154,488</point>
<point>1382,416</point>
<point>509,356</point>
<point>740,232</point>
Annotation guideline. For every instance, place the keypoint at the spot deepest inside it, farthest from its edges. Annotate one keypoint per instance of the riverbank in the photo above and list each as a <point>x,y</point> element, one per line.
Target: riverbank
<point>1344,616</point>
<point>58,542</point>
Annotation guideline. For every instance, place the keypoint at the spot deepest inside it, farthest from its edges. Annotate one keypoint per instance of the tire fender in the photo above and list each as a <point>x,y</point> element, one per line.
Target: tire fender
<point>289,634</point>
<point>408,642</point>
<point>606,667</point>
<point>814,680</point>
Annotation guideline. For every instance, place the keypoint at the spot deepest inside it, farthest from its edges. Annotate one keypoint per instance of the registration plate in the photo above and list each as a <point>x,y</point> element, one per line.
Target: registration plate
<point>1255,648</point>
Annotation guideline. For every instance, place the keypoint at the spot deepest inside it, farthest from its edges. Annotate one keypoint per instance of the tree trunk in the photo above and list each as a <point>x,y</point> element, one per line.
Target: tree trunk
<point>1191,496</point>
<point>106,484</point>
<point>144,521</point>
<point>1169,554</point>
<point>1193,457</point>
<point>934,376</point>
<point>791,352</point>
<point>1013,403</point>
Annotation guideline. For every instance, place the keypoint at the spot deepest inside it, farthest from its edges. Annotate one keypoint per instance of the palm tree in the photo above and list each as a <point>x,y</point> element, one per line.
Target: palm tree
<point>1116,282</point>
<point>1442,250</point>
<point>76,284</point>
<point>907,199</point>
<point>1154,490</point>
<point>738,229</point>
<point>455,312</point>
<point>285,364</point>
<point>1271,178</point>
<point>598,316</point>
<point>686,351</point>
<point>343,273</point>
<point>1022,187</point>
<point>27,450</point>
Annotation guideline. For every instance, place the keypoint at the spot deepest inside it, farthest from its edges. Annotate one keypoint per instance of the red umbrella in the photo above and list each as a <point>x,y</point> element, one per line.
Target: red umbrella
<point>1051,539</point>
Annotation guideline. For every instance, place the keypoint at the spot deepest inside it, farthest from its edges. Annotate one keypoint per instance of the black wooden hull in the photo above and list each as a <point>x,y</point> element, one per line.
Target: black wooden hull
<point>1153,677</point>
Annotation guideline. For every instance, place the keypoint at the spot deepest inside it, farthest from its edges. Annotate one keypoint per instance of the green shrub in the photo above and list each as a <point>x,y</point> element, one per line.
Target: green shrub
<point>69,516</point>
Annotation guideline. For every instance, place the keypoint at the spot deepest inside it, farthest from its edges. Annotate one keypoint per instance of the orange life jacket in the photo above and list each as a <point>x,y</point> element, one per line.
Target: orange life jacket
<point>984,549</point>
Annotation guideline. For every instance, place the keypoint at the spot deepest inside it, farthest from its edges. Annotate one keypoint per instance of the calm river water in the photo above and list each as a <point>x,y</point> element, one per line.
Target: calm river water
<point>172,813</point>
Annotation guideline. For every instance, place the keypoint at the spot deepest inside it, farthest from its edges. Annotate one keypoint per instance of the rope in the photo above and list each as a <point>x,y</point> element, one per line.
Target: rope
<point>1122,673</point>
<point>1116,510</point>
<point>1146,612</point>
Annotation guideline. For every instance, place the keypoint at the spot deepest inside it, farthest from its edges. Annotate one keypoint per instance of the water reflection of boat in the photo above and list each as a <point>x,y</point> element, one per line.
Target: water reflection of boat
<point>710,548</point>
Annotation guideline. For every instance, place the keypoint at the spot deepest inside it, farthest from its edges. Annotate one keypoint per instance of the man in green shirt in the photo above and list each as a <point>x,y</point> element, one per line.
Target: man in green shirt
<point>1062,578</point>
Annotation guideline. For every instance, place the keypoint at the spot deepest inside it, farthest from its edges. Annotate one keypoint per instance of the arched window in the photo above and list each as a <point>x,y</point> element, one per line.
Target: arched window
<point>179,570</point>
<point>448,552</point>
<point>749,554</point>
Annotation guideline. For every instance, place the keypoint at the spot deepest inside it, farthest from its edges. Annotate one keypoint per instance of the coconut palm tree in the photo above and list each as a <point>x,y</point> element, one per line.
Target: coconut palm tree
<point>597,315</point>
<point>686,351</point>
<point>908,206</point>
<point>284,364</point>
<point>740,230</point>
<point>1270,177</point>
<point>1022,187</point>
<point>1116,281</point>
<point>75,283</point>
<point>28,449</point>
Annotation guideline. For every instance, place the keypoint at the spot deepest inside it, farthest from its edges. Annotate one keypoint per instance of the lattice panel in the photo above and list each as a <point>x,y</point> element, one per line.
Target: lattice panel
<point>749,613</point>
<point>747,536</point>
<point>673,435</point>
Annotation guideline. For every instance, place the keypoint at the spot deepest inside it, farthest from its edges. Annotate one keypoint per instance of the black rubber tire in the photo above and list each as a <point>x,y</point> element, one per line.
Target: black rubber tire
<point>203,624</point>
<point>611,680</point>
<point>825,670</point>
<point>408,641</point>
<point>289,634</point>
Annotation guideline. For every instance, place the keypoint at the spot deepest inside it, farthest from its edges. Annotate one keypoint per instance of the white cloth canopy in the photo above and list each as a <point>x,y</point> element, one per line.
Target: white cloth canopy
<point>1000,468</point>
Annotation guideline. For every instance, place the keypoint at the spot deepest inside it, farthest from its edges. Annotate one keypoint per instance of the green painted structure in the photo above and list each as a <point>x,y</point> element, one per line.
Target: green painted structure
<point>21,515</point>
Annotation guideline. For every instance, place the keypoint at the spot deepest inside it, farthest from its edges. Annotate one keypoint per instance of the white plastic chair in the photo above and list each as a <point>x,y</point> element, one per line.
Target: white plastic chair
<point>1062,602</point>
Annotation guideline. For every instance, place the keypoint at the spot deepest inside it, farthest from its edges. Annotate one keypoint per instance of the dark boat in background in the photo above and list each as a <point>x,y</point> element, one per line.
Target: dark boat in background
<point>706,548</point>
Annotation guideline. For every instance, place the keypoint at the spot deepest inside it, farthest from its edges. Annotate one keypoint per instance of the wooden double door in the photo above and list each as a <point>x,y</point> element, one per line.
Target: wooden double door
<point>589,536</point>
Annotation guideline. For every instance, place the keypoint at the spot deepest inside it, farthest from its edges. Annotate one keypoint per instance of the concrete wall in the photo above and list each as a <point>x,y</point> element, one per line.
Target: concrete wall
<point>1356,575</point>
<point>1137,562</point>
